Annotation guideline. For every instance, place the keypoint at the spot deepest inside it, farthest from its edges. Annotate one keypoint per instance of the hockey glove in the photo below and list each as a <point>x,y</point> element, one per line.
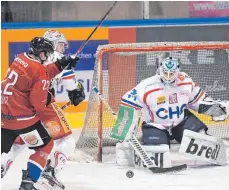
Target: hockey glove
<point>76,96</point>
<point>224,108</point>
<point>218,109</point>
<point>67,62</point>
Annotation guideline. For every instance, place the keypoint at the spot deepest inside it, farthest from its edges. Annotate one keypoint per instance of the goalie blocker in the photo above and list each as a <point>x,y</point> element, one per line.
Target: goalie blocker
<point>205,148</point>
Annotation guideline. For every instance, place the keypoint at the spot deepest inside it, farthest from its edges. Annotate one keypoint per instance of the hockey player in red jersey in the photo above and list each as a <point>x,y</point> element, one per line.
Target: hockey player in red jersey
<point>53,117</point>
<point>25,91</point>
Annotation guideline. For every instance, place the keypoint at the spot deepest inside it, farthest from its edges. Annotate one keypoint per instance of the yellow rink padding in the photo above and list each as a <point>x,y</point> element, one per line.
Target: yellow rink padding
<point>75,120</point>
<point>208,120</point>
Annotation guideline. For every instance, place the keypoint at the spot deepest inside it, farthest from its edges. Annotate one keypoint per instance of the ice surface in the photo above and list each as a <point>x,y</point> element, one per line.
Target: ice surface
<point>107,176</point>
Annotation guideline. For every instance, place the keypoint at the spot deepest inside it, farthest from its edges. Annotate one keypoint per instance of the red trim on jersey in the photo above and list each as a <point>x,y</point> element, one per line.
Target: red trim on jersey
<point>145,98</point>
<point>185,83</point>
<point>69,77</point>
<point>129,106</point>
<point>151,113</point>
<point>147,93</point>
<point>201,94</point>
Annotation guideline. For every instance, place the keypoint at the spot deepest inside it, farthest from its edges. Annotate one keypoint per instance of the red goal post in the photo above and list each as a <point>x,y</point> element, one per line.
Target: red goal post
<point>120,67</point>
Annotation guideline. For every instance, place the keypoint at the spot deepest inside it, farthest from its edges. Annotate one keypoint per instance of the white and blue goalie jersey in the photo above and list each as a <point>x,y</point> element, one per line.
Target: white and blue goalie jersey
<point>163,105</point>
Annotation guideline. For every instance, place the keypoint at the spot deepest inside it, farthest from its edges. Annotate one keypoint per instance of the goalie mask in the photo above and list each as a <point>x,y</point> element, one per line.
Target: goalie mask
<point>168,70</point>
<point>59,40</point>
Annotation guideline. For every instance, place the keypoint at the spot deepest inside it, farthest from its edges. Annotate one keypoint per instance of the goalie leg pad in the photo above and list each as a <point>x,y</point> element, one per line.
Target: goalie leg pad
<point>159,154</point>
<point>124,154</point>
<point>154,136</point>
<point>191,122</point>
<point>205,148</point>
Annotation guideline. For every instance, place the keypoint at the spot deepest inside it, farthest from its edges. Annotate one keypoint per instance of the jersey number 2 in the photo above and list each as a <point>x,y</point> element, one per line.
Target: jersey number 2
<point>13,75</point>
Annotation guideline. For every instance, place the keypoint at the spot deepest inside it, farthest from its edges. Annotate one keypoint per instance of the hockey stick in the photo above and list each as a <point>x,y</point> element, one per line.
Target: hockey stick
<point>87,40</point>
<point>138,147</point>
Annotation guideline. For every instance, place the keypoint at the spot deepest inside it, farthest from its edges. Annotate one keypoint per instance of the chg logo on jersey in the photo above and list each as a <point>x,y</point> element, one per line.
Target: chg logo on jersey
<point>170,112</point>
<point>173,98</point>
<point>161,100</point>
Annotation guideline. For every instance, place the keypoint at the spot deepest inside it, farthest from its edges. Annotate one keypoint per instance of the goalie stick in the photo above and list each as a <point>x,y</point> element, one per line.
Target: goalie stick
<point>86,42</point>
<point>138,147</point>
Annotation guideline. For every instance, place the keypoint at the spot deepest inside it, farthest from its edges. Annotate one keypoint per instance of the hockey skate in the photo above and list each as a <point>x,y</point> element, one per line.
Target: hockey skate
<point>48,179</point>
<point>27,183</point>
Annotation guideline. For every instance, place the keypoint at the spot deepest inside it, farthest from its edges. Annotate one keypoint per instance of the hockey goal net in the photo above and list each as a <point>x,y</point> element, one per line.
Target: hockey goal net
<point>120,67</point>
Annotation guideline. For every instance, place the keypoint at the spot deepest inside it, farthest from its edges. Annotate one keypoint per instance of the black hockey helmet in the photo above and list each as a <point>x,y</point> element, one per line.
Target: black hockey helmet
<point>40,44</point>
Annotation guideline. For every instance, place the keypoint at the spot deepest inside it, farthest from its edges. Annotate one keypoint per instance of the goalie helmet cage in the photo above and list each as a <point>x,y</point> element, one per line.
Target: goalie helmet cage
<point>120,67</point>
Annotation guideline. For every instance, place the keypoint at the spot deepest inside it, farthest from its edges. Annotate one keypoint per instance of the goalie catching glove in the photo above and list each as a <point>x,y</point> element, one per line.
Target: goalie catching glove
<point>219,110</point>
<point>67,62</point>
<point>76,96</point>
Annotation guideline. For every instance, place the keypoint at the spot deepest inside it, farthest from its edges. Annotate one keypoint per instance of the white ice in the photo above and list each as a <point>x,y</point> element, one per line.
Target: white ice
<point>107,176</point>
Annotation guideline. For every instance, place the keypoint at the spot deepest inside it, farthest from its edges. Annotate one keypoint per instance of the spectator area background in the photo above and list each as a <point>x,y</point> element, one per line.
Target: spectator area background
<point>72,11</point>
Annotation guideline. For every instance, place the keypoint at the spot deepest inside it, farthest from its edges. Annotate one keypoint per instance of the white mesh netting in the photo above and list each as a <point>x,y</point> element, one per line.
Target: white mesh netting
<point>125,65</point>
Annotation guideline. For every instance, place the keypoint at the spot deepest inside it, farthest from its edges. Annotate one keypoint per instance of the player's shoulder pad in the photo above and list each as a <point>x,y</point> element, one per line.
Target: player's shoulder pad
<point>151,82</point>
<point>32,66</point>
<point>184,77</point>
<point>142,87</point>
